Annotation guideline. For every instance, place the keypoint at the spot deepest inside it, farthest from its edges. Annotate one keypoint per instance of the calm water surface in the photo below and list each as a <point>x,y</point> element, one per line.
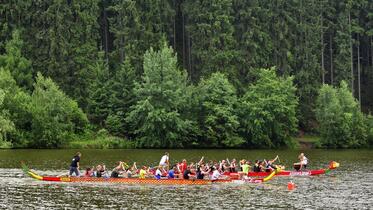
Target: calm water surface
<point>348,187</point>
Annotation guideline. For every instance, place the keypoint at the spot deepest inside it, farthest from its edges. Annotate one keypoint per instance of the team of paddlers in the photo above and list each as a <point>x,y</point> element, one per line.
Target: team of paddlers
<point>201,170</point>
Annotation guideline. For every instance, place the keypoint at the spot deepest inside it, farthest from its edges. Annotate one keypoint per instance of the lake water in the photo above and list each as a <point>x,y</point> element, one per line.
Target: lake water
<point>348,187</point>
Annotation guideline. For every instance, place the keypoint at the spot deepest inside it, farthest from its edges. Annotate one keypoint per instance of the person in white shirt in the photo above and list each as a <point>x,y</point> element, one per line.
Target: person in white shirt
<point>215,174</point>
<point>165,160</point>
<point>302,164</point>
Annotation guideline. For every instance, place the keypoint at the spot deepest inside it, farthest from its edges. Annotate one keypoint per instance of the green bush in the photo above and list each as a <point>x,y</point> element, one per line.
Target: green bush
<point>55,117</point>
<point>342,124</point>
<point>268,111</point>
<point>114,125</point>
<point>369,122</point>
<point>218,120</point>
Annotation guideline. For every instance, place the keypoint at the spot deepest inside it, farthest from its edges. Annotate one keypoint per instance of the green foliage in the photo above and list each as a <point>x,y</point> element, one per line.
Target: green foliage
<point>370,130</point>
<point>54,115</point>
<point>94,51</point>
<point>218,119</point>
<point>6,125</point>
<point>121,99</point>
<point>156,117</point>
<point>99,93</point>
<point>137,26</point>
<point>342,124</point>
<point>268,111</point>
<point>14,62</point>
<point>211,32</point>
<point>15,105</point>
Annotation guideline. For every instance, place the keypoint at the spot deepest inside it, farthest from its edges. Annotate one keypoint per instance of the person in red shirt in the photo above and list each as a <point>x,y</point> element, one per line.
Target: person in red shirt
<point>183,166</point>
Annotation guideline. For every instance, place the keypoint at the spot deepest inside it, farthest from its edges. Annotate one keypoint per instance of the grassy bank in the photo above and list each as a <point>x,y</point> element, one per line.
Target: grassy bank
<point>100,140</point>
<point>308,141</point>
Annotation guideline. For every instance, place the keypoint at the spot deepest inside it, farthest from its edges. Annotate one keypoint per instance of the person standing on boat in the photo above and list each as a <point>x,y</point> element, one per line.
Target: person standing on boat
<point>74,166</point>
<point>165,161</point>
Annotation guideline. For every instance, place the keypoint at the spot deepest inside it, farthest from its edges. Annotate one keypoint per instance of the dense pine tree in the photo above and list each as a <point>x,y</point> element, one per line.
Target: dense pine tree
<point>316,42</point>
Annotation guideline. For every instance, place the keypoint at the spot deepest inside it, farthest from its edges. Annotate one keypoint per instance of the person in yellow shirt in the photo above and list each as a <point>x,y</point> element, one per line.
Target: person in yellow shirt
<point>143,172</point>
<point>245,166</point>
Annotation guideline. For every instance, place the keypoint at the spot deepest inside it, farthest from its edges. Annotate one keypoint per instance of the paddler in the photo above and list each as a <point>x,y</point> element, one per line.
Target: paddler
<point>158,173</point>
<point>303,161</point>
<point>269,166</point>
<point>183,166</point>
<point>245,166</point>
<point>118,170</point>
<point>143,172</point>
<point>187,173</point>
<point>216,174</point>
<point>74,166</point>
<point>256,167</point>
<point>171,173</point>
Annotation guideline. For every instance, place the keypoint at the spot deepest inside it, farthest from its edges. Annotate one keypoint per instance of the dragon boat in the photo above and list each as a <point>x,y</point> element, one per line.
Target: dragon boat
<point>146,181</point>
<point>332,165</point>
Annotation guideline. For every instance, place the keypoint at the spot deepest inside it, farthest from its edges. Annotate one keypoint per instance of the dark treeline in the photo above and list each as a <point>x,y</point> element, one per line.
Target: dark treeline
<point>97,52</point>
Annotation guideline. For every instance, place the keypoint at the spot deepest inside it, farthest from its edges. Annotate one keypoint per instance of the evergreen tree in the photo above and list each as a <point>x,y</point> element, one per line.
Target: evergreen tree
<point>125,25</point>
<point>139,25</point>
<point>99,93</point>
<point>251,32</point>
<point>61,41</point>
<point>13,61</point>
<point>156,117</point>
<point>343,58</point>
<point>121,99</point>
<point>211,30</point>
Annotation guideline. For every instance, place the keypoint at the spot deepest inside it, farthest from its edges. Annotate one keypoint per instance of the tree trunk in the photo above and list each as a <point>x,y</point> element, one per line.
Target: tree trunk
<point>322,54</point>
<point>358,69</point>
<point>184,50</point>
<point>121,49</point>
<point>175,25</point>
<point>352,56</point>
<point>331,60</point>
<point>190,55</point>
<point>106,35</point>
<point>371,49</point>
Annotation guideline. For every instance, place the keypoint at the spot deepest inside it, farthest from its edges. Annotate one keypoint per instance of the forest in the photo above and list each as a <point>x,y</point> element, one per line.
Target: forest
<point>186,73</point>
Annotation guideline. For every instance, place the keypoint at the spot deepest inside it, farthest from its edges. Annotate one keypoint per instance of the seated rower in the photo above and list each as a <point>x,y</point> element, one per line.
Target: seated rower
<point>89,172</point>
<point>245,168</point>
<point>303,161</point>
<point>101,171</point>
<point>158,173</point>
<point>202,170</point>
<point>216,175</point>
<point>118,170</point>
<point>130,171</point>
<point>182,167</point>
<point>256,167</point>
<point>223,166</point>
<point>143,172</point>
<point>171,173</point>
<point>232,167</point>
<point>187,173</point>
<point>269,166</point>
